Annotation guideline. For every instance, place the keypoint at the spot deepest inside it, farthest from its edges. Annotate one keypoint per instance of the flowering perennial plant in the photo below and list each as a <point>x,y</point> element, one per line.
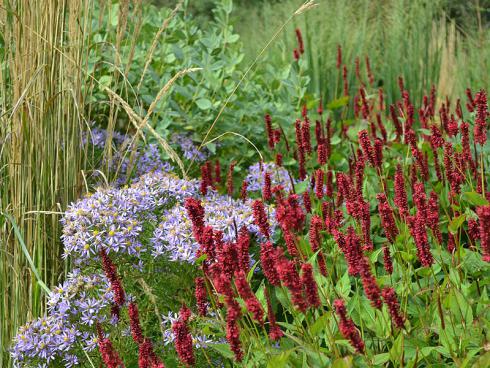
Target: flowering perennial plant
<point>366,243</point>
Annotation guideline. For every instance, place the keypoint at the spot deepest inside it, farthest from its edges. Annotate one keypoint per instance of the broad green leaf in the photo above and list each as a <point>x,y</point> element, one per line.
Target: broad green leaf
<point>203,103</point>
<point>475,199</point>
<point>279,360</point>
<point>345,362</point>
<point>456,223</point>
<point>320,324</point>
<point>339,102</point>
<point>381,358</point>
<point>301,187</point>
<point>223,349</point>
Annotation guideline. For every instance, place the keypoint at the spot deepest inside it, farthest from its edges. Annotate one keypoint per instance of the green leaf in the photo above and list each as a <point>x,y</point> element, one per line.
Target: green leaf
<point>381,358</point>
<point>320,324</point>
<point>301,187</point>
<point>201,259</point>
<point>475,199</point>
<point>338,103</point>
<point>203,104</point>
<point>223,349</point>
<point>345,362</point>
<point>105,81</point>
<point>456,223</point>
<point>279,360</point>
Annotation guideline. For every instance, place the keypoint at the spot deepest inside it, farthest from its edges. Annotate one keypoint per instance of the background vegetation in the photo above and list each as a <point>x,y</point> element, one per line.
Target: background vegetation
<point>58,61</point>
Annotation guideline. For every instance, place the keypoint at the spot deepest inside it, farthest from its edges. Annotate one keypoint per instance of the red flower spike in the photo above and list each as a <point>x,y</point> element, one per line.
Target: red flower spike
<point>229,179</point>
<point>371,288</point>
<point>183,342</point>
<point>310,286</point>
<point>217,172</point>
<point>296,54</point>
<point>433,216</point>
<point>275,332</point>
<point>400,192</point>
<point>348,328</point>
<point>306,136</point>
<point>266,190</point>
<point>369,72</point>
<point>344,78</point>
<point>290,214</point>
<point>339,57</point>
<point>290,240</point>
<point>307,201</point>
<point>388,262</point>
<point>484,221</point>
<point>195,211</point>
<point>233,330</point>
<point>205,179</point>
<point>260,217</point>
<point>381,100</point>
<point>147,358</point>
<point>480,129</point>
<point>316,226</point>
<point>279,159</point>
<point>473,230</point>
<point>387,218</point>
<point>269,131</point>
<point>419,233</point>
<point>111,274</point>
<point>299,37</point>
<point>243,245</point>
<point>322,153</point>
<point>391,301</point>
<point>268,261</point>
<point>251,301</point>
<point>378,152</point>
<point>110,357</point>
<point>134,323</point>
<point>290,278</point>
<point>201,296</point>
<point>319,179</point>
<point>243,191</point>
<point>366,146</point>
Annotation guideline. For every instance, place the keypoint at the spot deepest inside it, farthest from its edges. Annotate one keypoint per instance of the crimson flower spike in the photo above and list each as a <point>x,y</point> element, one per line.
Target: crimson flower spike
<point>260,217</point>
<point>251,302</point>
<point>266,190</point>
<point>347,327</point>
<point>217,172</point>
<point>183,341</point>
<point>310,286</point>
<point>270,132</point>
<point>111,274</point>
<point>229,179</point>
<point>201,296</point>
<point>480,129</point>
<point>134,323</point>
<point>275,332</point>
<point>391,301</point>
<point>484,226</point>
<point>339,57</point>
<point>301,46</point>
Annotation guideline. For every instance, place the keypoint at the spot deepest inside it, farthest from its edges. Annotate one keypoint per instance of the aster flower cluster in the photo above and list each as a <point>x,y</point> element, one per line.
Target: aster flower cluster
<point>188,148</point>
<point>74,308</point>
<point>279,176</point>
<point>174,235</point>
<point>114,217</point>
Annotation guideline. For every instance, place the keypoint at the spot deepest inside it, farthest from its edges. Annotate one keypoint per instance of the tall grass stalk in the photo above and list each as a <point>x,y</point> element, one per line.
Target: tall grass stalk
<point>41,117</point>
